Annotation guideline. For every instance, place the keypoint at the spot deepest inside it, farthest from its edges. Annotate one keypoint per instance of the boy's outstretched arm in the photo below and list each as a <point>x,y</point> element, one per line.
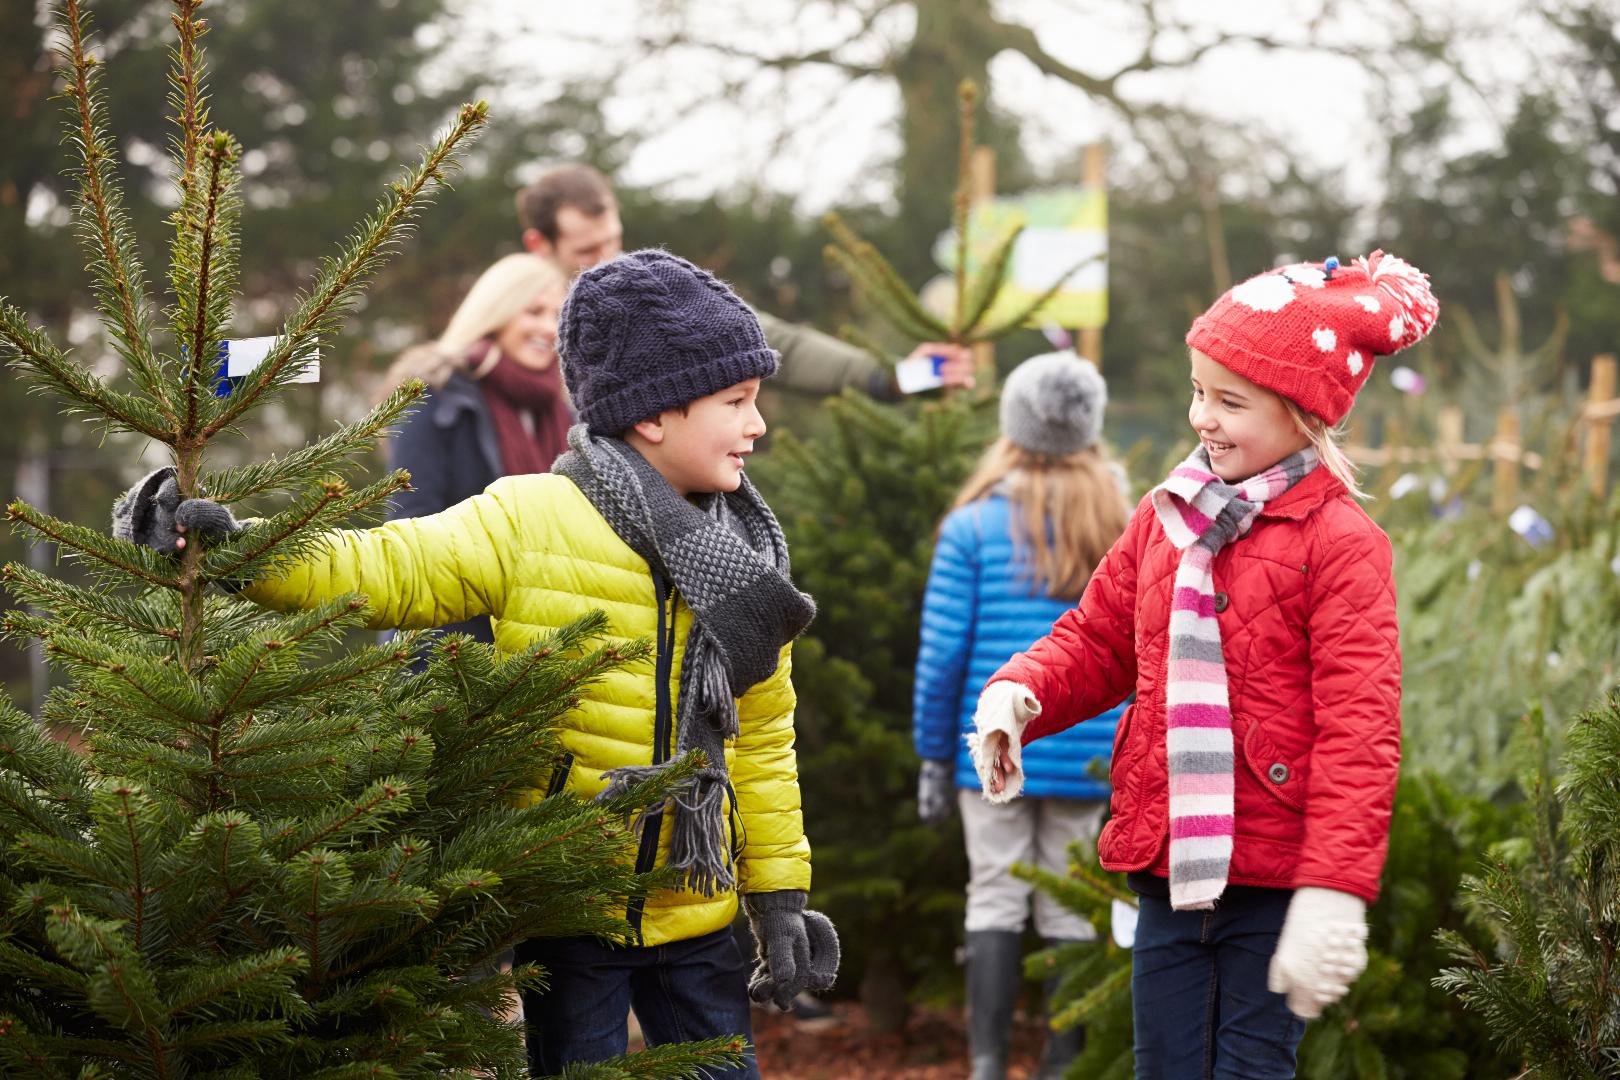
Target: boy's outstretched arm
<point>421,572</point>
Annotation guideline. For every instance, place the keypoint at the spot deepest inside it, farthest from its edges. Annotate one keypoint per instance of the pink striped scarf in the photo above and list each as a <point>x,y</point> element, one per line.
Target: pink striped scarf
<point>1201,514</point>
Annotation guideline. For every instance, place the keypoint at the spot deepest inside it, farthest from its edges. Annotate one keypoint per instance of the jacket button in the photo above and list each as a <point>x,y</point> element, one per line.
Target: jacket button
<point>1278,773</point>
<point>1220,602</point>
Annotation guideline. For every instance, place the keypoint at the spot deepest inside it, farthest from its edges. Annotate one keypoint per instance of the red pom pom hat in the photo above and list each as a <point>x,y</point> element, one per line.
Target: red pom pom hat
<point>1311,331</point>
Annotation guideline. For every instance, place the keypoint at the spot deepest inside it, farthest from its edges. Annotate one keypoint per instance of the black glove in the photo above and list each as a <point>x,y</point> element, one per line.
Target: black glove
<point>934,792</point>
<point>797,949</point>
<point>147,514</point>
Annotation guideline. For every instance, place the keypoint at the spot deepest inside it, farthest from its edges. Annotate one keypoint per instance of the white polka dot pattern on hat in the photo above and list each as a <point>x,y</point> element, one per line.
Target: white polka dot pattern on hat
<point>1312,337</point>
<point>1268,292</point>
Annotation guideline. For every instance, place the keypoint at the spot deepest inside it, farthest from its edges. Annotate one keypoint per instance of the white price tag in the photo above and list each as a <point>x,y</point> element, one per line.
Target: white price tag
<point>1122,917</point>
<point>920,373</point>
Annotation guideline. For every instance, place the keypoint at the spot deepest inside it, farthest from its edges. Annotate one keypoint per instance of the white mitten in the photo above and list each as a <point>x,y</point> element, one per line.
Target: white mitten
<point>1322,949</point>
<point>1005,708</point>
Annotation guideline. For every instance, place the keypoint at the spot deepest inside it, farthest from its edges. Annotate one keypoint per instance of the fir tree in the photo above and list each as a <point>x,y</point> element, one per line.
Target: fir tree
<point>1090,980</point>
<point>1550,991</point>
<point>860,501</point>
<point>273,855</point>
<point>975,292</point>
<point>1392,1024</point>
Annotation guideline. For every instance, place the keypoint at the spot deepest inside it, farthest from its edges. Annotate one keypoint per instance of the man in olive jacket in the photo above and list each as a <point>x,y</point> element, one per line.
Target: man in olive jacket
<point>570,216</point>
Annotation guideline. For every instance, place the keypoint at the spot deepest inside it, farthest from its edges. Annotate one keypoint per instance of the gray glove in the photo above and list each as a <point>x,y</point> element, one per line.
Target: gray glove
<point>147,514</point>
<point>797,950</point>
<point>934,791</point>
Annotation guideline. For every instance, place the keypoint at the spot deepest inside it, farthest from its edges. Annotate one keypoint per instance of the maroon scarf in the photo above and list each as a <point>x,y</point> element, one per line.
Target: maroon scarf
<point>510,390</point>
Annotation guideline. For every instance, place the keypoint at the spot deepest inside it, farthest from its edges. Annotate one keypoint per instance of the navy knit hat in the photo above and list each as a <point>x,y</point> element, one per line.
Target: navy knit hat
<point>1053,404</point>
<point>649,331</point>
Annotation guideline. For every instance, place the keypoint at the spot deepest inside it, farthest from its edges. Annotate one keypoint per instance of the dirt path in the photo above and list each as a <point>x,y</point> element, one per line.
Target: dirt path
<point>933,1047</point>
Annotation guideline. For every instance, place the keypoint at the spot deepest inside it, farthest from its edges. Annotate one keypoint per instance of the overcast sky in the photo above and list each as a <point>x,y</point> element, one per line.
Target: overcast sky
<point>842,134</point>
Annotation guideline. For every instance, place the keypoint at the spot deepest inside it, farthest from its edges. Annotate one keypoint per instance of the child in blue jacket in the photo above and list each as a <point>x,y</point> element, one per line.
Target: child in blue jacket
<point>1027,529</point>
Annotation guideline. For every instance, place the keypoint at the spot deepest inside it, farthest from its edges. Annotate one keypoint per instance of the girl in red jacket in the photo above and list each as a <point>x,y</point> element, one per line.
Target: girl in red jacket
<point>1250,605</point>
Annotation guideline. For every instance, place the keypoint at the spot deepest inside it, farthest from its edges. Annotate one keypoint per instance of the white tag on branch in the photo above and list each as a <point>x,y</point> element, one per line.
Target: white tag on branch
<point>244,355</point>
<point>920,373</point>
<point>1122,918</point>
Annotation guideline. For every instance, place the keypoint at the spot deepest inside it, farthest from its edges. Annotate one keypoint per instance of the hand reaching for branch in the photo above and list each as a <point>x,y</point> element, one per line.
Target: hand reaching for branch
<point>152,514</point>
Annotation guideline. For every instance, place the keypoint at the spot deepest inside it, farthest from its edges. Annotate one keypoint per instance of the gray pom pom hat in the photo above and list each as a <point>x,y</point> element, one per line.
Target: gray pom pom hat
<point>1053,404</point>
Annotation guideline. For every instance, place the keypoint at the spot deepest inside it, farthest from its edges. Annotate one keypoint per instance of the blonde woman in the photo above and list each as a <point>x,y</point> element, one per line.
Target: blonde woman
<point>495,404</point>
<point>1028,528</point>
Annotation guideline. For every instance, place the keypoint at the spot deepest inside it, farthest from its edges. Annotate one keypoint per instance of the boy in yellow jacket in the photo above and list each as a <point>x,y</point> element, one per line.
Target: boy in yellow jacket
<point>649,518</point>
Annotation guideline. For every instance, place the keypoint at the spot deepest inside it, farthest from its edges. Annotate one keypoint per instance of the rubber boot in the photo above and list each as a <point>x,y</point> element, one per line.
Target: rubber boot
<point>994,975</point>
<point>1062,1047</point>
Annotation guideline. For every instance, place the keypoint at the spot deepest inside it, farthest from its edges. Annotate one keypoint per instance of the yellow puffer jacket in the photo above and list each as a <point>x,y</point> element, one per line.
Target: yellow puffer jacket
<point>534,554</point>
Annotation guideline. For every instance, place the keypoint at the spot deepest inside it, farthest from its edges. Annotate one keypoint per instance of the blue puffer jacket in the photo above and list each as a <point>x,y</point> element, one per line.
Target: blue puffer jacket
<point>978,612</point>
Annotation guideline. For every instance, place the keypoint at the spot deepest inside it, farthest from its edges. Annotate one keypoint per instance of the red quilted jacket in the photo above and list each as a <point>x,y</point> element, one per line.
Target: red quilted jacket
<point>1306,604</point>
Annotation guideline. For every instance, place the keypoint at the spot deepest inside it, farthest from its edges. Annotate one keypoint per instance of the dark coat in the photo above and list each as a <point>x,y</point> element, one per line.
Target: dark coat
<point>448,446</point>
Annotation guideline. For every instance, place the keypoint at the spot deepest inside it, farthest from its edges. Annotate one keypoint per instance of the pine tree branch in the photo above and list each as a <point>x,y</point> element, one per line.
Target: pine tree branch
<point>108,237</point>
<point>205,992</point>
<point>20,1047</point>
<point>97,659</point>
<point>379,797</point>
<point>1022,316</point>
<point>199,314</point>
<point>892,312</point>
<point>349,669</point>
<point>989,281</point>
<point>887,279</point>
<point>345,275</point>
<point>335,452</point>
<point>47,366</point>
<point>81,609</point>
<point>120,555</point>
<point>288,536</point>
<point>186,97</point>
<point>238,668</point>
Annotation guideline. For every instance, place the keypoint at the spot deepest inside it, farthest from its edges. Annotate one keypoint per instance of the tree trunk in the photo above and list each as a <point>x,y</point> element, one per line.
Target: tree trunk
<point>885,993</point>
<point>953,42</point>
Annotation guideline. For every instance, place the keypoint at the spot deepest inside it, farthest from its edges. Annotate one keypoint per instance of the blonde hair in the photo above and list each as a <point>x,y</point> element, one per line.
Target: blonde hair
<point>496,298</point>
<point>1073,509</point>
<point>1324,439</point>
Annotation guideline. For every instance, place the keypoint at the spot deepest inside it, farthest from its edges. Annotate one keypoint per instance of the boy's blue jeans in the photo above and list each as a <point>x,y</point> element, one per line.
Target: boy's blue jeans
<point>1198,990</point>
<point>683,991</point>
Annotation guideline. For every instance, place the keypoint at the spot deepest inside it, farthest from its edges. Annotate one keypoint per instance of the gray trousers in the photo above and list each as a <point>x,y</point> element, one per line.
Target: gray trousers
<point>1033,831</point>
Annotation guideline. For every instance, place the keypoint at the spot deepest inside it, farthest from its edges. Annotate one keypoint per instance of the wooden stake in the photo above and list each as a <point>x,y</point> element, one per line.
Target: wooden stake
<point>1598,423</point>
<point>982,188</point>
<point>1505,452</point>
<point>1093,174</point>
<point>1450,438</point>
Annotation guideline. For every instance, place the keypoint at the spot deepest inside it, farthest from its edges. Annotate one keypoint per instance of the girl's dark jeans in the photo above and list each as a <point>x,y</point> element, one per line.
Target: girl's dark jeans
<point>1198,988</point>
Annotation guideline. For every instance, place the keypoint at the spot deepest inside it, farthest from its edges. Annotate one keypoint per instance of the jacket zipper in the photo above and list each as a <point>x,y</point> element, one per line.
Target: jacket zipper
<point>559,778</point>
<point>663,664</point>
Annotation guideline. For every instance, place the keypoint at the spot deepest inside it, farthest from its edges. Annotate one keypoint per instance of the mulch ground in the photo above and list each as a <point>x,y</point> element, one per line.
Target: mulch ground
<point>843,1047</point>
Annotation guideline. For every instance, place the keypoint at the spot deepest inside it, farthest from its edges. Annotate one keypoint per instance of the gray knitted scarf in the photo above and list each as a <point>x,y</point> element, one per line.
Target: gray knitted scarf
<point>726,555</point>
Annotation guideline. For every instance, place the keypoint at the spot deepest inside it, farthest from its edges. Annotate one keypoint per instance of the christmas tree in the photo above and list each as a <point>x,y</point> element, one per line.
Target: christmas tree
<point>859,502</point>
<point>274,854</point>
<point>1550,990</point>
<point>860,499</point>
